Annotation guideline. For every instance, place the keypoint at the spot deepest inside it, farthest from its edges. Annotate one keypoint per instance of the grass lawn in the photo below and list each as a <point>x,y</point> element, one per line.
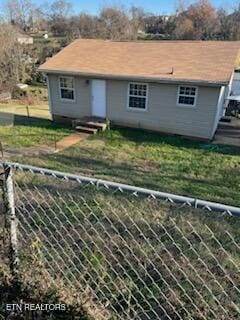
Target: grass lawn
<point>8,111</point>
<point>30,132</point>
<point>18,130</point>
<point>151,160</point>
<point>120,262</point>
<point>132,255</point>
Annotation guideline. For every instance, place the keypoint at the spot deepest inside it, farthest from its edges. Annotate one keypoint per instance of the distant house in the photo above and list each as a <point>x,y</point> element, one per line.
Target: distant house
<point>5,95</point>
<point>23,38</point>
<point>177,87</point>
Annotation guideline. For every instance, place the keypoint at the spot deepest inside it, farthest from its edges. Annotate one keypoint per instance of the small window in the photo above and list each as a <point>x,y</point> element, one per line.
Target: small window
<point>66,85</point>
<point>187,96</point>
<point>137,96</point>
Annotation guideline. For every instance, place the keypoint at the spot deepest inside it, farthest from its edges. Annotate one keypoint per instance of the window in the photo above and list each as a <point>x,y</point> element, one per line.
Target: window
<point>187,96</point>
<point>137,96</point>
<point>66,85</point>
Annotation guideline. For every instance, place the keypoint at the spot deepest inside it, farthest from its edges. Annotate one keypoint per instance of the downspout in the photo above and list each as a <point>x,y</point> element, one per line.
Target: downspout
<point>228,92</point>
<point>49,98</point>
<point>219,110</point>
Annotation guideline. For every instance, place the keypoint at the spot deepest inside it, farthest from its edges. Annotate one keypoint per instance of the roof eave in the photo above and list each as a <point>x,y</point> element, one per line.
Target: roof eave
<point>136,78</point>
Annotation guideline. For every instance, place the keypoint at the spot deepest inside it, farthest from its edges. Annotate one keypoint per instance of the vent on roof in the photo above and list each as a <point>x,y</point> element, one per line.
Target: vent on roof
<point>161,72</point>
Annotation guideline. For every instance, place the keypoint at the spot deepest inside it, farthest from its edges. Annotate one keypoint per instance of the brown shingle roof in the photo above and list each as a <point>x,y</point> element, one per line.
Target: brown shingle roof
<point>201,61</point>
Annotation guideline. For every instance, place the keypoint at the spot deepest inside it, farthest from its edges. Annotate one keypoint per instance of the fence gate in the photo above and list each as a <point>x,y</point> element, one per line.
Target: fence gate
<point>123,251</point>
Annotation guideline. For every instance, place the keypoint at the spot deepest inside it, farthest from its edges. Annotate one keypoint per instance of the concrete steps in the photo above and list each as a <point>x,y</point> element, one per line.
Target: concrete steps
<point>89,125</point>
<point>86,129</point>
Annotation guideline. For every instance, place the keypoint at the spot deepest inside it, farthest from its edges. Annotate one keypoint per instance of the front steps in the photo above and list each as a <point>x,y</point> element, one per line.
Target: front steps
<point>89,125</point>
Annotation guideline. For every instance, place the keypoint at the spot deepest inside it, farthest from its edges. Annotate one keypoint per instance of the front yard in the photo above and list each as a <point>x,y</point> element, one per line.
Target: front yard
<point>26,122</point>
<point>145,159</point>
<point>155,161</point>
<point>31,132</point>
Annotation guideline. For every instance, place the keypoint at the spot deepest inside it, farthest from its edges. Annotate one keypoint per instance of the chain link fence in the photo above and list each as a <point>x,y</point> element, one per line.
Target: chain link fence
<point>127,252</point>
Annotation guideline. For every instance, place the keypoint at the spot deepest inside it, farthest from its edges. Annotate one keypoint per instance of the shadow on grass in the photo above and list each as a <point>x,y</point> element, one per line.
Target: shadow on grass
<point>38,122</point>
<point>209,189</point>
<point>141,136</point>
<point>160,233</point>
<point>15,292</point>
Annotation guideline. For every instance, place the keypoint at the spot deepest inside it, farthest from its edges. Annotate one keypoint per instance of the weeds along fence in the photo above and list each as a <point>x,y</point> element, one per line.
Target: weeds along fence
<point>125,252</point>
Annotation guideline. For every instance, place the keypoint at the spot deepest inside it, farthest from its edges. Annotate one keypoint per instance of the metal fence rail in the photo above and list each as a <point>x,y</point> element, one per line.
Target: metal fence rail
<point>128,252</point>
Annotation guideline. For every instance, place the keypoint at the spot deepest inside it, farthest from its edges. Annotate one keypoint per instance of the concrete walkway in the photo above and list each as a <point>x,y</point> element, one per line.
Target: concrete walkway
<point>228,133</point>
<point>71,140</point>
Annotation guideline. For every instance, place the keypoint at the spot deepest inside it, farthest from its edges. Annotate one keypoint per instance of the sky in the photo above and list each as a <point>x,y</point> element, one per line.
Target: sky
<point>155,6</point>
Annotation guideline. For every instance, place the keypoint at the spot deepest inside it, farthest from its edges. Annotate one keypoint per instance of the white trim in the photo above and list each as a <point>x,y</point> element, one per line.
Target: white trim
<point>49,98</point>
<point>73,89</point>
<point>137,78</point>
<point>195,97</point>
<point>146,97</point>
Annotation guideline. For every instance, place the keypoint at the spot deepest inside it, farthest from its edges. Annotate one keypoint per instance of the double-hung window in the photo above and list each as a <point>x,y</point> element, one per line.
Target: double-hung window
<point>66,86</point>
<point>137,96</point>
<point>187,96</point>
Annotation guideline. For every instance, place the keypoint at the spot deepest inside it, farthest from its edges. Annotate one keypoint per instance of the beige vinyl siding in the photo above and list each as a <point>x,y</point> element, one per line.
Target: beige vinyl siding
<point>162,112</point>
<point>80,107</point>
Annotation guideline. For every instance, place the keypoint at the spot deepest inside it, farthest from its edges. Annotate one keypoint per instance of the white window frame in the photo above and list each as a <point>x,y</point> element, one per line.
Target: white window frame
<point>73,89</point>
<point>146,97</point>
<point>195,97</point>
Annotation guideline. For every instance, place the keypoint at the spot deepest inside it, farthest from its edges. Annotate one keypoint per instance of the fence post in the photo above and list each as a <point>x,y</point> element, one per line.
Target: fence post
<point>1,149</point>
<point>54,141</point>
<point>11,218</point>
<point>28,114</point>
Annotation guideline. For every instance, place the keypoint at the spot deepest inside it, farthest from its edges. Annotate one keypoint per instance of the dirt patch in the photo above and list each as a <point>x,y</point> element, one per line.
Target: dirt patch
<point>28,151</point>
<point>70,140</point>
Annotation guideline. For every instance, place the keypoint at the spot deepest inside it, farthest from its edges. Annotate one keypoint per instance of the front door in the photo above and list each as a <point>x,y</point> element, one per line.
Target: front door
<point>99,98</point>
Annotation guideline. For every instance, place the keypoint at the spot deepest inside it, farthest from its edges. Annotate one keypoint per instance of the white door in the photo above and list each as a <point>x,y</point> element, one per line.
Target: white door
<point>99,98</point>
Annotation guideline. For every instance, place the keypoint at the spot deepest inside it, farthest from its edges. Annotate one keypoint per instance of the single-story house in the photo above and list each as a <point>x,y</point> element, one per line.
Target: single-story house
<point>24,38</point>
<point>177,87</point>
<point>5,95</point>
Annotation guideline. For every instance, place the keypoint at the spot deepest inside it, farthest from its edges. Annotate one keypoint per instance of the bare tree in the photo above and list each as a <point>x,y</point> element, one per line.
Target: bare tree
<point>59,16</point>
<point>137,20</point>
<point>20,12</point>
<point>224,25</point>
<point>61,8</point>
<point>88,26</point>
<point>233,23</point>
<point>114,24</point>
<point>11,66</point>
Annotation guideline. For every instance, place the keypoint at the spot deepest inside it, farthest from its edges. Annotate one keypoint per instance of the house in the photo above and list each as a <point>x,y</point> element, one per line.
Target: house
<point>5,95</point>
<point>24,38</point>
<point>177,87</point>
